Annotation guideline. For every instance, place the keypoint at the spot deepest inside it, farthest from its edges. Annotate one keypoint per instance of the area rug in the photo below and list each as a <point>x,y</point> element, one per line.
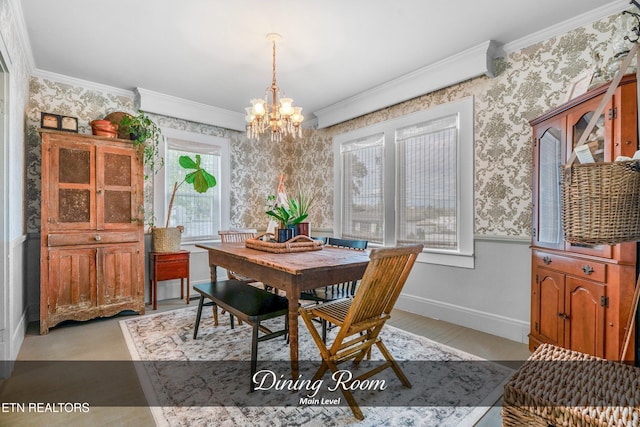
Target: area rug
<point>205,382</point>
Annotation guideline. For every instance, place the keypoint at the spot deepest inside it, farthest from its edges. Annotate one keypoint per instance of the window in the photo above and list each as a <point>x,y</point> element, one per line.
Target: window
<point>201,214</point>
<point>410,180</point>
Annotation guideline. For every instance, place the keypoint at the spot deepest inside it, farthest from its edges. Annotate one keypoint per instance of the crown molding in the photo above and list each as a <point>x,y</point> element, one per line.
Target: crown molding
<point>23,36</point>
<point>172,106</point>
<point>565,26</point>
<point>463,66</point>
<point>73,81</point>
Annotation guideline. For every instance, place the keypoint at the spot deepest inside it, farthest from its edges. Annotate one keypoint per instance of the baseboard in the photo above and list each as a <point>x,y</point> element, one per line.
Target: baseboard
<point>17,338</point>
<point>513,329</point>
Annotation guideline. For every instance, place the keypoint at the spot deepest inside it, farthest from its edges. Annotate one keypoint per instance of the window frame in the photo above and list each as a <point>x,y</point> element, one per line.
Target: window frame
<point>160,184</point>
<point>463,256</point>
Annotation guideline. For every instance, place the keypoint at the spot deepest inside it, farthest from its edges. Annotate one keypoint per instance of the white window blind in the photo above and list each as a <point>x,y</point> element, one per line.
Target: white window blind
<point>427,178</point>
<point>362,189</point>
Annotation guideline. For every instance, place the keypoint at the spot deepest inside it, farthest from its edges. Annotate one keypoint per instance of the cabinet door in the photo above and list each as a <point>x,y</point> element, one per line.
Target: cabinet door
<point>72,281</point>
<point>601,147</point>
<point>117,201</point>
<point>120,269</point>
<point>548,156</point>
<point>71,185</point>
<point>584,306</point>
<point>548,309</point>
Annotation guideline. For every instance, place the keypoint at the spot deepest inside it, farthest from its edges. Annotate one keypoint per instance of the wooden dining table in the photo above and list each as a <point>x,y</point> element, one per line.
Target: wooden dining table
<point>291,272</point>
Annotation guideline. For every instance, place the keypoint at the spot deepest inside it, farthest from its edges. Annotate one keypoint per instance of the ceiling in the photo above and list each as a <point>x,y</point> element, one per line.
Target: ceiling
<point>216,52</point>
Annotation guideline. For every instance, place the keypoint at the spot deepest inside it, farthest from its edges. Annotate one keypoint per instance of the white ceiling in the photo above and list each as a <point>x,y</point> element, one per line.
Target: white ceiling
<point>216,52</point>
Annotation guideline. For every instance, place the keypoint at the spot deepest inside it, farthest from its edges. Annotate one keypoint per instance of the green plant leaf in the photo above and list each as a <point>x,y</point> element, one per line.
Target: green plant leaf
<point>211,180</point>
<point>187,163</point>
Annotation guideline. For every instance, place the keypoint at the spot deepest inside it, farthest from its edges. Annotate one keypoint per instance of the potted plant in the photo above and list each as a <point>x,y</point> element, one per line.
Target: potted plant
<point>145,132</point>
<point>288,216</point>
<point>300,210</point>
<point>167,239</point>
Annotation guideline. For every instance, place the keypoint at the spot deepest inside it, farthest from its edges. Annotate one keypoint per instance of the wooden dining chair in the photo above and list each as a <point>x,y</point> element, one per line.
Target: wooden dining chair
<point>338,290</point>
<point>236,236</point>
<point>361,318</point>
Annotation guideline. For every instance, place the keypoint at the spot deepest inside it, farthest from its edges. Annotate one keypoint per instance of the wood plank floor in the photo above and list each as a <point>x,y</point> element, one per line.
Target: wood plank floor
<point>102,339</point>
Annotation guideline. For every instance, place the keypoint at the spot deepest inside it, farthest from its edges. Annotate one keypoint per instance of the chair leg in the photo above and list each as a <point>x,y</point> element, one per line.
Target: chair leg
<point>394,365</point>
<point>195,328</point>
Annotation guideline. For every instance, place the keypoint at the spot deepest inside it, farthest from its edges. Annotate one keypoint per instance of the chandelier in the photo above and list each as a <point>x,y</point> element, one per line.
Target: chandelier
<point>279,117</point>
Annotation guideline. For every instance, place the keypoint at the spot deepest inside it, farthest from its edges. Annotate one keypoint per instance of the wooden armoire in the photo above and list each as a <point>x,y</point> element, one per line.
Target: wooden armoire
<point>580,294</point>
<point>92,239</point>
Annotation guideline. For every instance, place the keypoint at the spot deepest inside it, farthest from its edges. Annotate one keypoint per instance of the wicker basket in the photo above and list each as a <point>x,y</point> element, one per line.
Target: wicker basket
<point>297,244</point>
<point>560,387</point>
<point>601,203</point>
<point>166,239</point>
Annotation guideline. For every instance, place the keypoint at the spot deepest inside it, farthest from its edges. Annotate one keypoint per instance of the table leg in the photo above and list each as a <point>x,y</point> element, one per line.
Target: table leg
<point>181,288</point>
<point>214,278</point>
<point>293,334</point>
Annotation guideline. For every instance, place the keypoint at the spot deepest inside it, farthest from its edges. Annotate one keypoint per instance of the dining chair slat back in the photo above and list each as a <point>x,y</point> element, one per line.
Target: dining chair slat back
<point>237,236</point>
<point>338,290</point>
<point>361,318</point>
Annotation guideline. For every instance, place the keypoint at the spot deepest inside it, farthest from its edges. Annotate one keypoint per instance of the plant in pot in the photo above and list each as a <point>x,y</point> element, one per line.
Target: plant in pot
<point>167,239</point>
<point>300,209</point>
<point>287,215</point>
<point>146,133</point>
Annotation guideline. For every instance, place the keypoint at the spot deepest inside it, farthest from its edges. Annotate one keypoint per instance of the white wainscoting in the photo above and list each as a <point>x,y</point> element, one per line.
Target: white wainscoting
<point>15,307</point>
<point>493,297</point>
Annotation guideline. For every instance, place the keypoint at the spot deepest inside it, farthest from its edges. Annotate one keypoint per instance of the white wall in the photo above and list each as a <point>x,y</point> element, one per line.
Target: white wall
<point>493,297</point>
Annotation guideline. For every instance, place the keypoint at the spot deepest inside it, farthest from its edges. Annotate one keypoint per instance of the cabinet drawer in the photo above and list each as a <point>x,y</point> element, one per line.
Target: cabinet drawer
<point>92,238</point>
<point>576,267</point>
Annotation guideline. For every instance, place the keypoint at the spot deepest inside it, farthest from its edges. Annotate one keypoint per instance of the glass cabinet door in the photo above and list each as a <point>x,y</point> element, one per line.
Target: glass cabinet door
<point>599,142</point>
<point>595,140</point>
<point>548,156</point>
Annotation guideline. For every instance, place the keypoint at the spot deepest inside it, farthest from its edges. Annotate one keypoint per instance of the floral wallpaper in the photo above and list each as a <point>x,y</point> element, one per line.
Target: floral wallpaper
<point>528,82</point>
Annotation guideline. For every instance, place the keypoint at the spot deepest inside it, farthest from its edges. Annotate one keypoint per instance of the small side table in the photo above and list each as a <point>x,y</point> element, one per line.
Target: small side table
<point>167,266</point>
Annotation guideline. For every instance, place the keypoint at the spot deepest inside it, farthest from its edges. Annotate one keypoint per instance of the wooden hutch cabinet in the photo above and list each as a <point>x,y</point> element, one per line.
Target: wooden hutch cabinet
<point>92,245</point>
<point>580,294</point>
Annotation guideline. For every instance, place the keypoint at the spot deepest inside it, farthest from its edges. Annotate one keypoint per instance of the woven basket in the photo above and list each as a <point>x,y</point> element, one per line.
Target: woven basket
<point>561,387</point>
<point>601,203</point>
<point>166,239</point>
<point>297,244</point>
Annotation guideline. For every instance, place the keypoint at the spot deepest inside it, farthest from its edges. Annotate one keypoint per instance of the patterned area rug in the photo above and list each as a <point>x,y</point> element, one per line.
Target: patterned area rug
<point>205,382</point>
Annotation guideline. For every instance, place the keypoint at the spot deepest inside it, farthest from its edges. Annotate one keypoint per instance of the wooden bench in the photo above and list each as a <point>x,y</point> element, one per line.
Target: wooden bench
<point>247,303</point>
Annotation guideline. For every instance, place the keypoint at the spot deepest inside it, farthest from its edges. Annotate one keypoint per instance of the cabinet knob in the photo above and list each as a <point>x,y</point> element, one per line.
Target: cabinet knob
<point>563,316</point>
<point>98,238</point>
<point>587,269</point>
<point>99,191</point>
<point>546,260</point>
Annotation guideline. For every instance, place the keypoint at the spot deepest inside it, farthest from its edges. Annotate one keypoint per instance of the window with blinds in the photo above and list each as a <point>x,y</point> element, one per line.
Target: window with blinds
<point>410,180</point>
<point>362,189</point>
<point>427,181</point>
<point>199,213</point>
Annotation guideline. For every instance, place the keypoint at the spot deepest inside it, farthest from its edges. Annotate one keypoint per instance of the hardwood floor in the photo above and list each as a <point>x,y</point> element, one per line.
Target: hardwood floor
<point>101,339</point>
